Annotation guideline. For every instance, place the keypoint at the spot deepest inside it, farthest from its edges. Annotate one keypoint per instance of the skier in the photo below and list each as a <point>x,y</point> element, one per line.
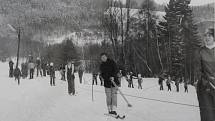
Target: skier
<point>177,84</point>
<point>38,62</point>
<point>43,67</point>
<point>80,73</point>
<point>160,82</point>
<point>186,86</point>
<point>95,78</point>
<point>52,74</point>
<point>205,75</point>
<point>119,76</point>
<point>62,72</point>
<point>128,78</point>
<point>48,66</point>
<point>168,83</point>
<point>24,70</point>
<point>31,67</point>
<point>108,71</point>
<point>132,77</point>
<point>71,77</point>
<point>11,68</point>
<point>140,81</point>
<point>17,74</point>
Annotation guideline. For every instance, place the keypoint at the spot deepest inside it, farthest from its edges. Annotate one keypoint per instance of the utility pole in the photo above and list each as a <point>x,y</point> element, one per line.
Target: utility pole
<point>19,38</point>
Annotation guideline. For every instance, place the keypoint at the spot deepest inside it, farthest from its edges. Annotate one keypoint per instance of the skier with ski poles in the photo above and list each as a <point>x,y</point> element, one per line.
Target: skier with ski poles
<point>108,69</point>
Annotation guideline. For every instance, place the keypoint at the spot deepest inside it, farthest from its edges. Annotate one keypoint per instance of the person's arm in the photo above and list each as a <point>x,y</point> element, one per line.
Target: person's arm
<point>197,67</point>
<point>73,69</point>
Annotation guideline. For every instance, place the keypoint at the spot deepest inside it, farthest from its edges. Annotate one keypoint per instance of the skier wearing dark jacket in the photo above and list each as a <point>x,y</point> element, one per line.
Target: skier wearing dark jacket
<point>108,71</point>
<point>205,75</point>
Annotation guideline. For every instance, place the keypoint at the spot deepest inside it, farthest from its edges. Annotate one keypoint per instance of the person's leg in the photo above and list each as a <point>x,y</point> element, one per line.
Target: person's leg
<point>114,98</point>
<point>53,79</point>
<point>18,80</point>
<point>96,80</point>
<point>108,98</point>
<point>41,74</point>
<point>37,71</point>
<point>73,86</point>
<point>69,86</point>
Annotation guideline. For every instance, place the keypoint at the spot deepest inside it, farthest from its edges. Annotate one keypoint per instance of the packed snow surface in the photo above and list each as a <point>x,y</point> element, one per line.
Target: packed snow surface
<point>36,100</point>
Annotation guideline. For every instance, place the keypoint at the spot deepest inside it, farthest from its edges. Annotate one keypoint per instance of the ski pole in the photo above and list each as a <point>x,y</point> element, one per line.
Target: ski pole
<point>129,105</point>
<point>92,91</point>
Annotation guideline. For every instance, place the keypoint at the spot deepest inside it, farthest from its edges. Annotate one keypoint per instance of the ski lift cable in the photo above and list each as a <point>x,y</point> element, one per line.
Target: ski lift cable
<point>157,100</point>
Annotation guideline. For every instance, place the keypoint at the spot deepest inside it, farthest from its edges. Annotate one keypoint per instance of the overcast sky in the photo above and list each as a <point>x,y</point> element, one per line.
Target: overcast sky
<point>193,2</point>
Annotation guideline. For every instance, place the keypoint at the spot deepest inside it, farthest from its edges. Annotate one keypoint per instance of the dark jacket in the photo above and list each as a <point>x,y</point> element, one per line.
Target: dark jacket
<point>11,64</point>
<point>70,74</point>
<point>109,69</point>
<point>52,71</point>
<point>205,66</point>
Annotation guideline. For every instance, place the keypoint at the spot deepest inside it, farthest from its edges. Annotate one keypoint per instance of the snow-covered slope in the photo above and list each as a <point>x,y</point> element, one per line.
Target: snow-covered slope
<point>35,100</point>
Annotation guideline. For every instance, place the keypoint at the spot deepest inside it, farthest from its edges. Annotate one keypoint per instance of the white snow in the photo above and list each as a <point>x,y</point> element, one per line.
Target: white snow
<point>36,100</point>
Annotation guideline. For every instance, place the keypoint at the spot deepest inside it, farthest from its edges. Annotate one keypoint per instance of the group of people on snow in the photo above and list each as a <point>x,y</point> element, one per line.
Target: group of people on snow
<point>111,77</point>
<point>172,80</point>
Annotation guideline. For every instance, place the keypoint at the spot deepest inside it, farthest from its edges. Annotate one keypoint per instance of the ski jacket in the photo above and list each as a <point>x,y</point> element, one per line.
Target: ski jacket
<point>52,71</point>
<point>108,69</point>
<point>205,66</point>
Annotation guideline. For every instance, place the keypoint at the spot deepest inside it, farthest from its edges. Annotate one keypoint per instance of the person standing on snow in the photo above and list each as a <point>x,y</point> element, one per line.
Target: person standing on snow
<point>52,74</point>
<point>205,75</point>
<point>17,74</point>
<point>140,81</point>
<point>186,86</point>
<point>160,81</point>
<point>70,70</point>
<point>119,76</point>
<point>128,78</point>
<point>80,73</point>
<point>31,68</point>
<point>177,84</point>
<point>11,68</point>
<point>168,83</point>
<point>108,69</point>
<point>62,72</point>
<point>38,65</point>
<point>132,78</point>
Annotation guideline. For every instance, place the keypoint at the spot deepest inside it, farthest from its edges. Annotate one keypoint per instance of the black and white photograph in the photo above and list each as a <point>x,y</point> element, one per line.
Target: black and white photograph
<point>107,60</point>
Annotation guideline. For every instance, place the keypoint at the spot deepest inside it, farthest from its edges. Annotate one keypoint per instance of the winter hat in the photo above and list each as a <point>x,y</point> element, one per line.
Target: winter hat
<point>51,64</point>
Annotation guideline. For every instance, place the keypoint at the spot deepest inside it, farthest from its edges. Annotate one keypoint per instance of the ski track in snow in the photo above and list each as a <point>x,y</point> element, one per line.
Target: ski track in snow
<point>36,100</point>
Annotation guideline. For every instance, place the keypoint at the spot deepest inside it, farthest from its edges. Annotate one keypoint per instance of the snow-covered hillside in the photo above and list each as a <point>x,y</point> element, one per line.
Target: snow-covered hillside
<point>35,100</point>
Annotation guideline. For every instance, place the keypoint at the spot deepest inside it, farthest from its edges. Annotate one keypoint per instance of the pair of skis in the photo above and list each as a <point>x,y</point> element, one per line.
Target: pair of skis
<point>116,116</point>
